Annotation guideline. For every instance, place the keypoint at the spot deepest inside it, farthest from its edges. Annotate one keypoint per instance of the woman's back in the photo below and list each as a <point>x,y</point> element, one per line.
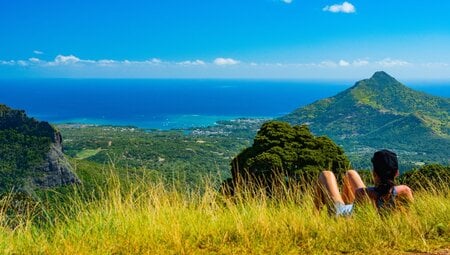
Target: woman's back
<point>397,194</point>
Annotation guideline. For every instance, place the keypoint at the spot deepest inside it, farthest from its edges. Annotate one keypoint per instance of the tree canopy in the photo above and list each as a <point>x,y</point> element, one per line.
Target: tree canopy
<point>289,151</point>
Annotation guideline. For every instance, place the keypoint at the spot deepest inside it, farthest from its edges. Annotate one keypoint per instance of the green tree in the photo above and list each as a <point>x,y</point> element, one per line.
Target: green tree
<point>289,152</point>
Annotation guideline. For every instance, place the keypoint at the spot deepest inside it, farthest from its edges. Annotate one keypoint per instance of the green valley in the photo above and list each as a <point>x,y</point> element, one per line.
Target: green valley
<point>189,155</point>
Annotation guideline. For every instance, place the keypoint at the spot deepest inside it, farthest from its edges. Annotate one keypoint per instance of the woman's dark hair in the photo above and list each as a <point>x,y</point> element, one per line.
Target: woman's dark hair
<point>385,165</point>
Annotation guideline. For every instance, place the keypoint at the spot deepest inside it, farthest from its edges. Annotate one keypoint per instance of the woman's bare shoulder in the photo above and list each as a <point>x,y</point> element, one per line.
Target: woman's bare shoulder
<point>404,191</point>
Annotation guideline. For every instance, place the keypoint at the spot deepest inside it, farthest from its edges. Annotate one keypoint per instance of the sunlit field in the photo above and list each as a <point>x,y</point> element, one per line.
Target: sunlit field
<point>155,218</point>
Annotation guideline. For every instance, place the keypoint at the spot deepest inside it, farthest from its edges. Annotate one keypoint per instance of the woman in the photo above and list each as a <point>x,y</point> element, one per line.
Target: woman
<point>383,195</point>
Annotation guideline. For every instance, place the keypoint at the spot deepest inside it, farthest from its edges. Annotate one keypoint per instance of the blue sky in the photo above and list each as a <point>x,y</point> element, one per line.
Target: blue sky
<point>282,39</point>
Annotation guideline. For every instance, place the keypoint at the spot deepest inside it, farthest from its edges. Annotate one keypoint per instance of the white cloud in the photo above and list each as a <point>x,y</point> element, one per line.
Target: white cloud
<point>360,62</point>
<point>225,61</point>
<point>106,62</point>
<point>22,63</point>
<point>388,62</point>
<point>286,1</point>
<point>154,67</point>
<point>436,64</point>
<point>38,52</point>
<point>34,60</point>
<point>61,59</point>
<point>343,63</point>
<point>8,63</point>
<point>67,60</point>
<point>156,61</point>
<point>197,62</point>
<point>345,7</point>
<point>327,63</point>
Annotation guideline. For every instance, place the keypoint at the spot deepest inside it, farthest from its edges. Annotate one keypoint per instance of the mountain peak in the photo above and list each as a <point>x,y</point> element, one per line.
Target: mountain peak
<point>380,83</point>
<point>381,112</point>
<point>382,76</point>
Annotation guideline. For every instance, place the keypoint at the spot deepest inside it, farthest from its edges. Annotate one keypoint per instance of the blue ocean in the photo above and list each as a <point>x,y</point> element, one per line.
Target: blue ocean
<point>169,104</point>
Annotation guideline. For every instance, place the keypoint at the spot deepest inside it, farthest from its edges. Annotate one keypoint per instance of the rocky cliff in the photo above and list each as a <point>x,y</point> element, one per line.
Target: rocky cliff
<point>31,153</point>
<point>55,169</point>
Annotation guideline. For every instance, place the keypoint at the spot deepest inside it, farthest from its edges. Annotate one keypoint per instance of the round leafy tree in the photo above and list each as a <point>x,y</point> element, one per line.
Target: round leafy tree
<point>286,151</point>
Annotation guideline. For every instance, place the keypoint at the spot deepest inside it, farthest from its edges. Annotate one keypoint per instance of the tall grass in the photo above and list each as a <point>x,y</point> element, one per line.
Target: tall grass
<point>154,218</point>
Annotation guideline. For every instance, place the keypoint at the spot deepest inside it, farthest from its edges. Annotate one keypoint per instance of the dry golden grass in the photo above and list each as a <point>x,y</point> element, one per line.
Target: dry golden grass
<point>155,219</point>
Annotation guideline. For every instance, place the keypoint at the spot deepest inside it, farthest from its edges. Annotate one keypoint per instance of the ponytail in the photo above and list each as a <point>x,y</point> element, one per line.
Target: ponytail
<point>385,165</point>
<point>383,188</point>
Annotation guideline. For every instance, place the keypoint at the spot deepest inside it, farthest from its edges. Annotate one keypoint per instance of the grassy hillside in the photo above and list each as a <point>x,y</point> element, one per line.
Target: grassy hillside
<point>159,219</point>
<point>130,201</point>
<point>380,112</point>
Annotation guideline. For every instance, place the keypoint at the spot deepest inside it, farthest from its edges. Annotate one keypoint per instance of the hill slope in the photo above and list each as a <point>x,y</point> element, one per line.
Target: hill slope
<point>30,153</point>
<point>381,112</point>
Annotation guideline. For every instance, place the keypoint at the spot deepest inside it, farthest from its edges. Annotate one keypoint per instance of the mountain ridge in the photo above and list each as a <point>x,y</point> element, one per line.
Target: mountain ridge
<point>381,107</point>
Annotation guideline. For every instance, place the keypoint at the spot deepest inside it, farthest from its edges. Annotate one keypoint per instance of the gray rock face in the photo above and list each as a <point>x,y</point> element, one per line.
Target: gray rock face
<point>31,154</point>
<point>56,170</point>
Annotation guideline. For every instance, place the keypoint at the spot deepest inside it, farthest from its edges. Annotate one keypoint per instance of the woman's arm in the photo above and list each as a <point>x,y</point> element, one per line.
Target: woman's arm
<point>405,192</point>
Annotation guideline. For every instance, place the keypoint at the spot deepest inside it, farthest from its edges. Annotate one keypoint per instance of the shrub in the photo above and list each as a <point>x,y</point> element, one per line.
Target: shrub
<point>434,175</point>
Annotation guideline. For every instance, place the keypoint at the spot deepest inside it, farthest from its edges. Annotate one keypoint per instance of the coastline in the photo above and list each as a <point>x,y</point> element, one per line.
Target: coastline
<point>163,123</point>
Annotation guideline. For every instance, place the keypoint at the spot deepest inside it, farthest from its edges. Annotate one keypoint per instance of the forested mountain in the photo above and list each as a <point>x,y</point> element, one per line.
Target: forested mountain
<point>381,112</point>
<point>30,153</point>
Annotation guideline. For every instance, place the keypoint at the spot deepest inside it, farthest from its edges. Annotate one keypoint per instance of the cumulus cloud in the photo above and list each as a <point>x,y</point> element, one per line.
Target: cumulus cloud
<point>197,62</point>
<point>225,61</point>
<point>156,61</point>
<point>388,62</point>
<point>70,59</point>
<point>8,63</point>
<point>360,62</point>
<point>343,63</point>
<point>327,63</point>
<point>34,60</point>
<point>436,64</point>
<point>345,7</point>
<point>106,62</point>
<point>38,52</point>
<point>113,67</point>
<point>22,63</point>
<point>286,1</point>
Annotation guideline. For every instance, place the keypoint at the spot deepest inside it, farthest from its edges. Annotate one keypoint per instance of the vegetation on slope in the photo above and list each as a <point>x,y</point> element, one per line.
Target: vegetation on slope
<point>17,120</point>
<point>122,207</point>
<point>380,112</point>
<point>427,176</point>
<point>24,142</point>
<point>189,155</point>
